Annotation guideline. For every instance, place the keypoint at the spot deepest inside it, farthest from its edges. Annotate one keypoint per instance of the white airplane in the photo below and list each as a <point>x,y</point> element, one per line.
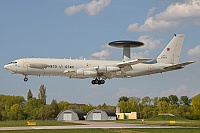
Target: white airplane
<point>101,70</point>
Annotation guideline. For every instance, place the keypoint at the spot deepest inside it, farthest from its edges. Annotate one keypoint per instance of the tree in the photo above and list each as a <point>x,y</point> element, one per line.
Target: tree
<point>184,100</point>
<point>54,109</point>
<point>123,106</point>
<point>173,109</point>
<point>29,94</point>
<point>104,106</point>
<point>16,112</point>
<point>32,108</point>
<point>42,95</point>
<point>123,98</point>
<point>196,106</point>
<point>146,107</point>
<point>155,101</point>
<point>164,99</point>
<point>87,108</point>
<point>173,99</point>
<point>73,107</point>
<point>63,105</point>
<point>1,116</point>
<point>163,106</point>
<point>146,100</point>
<point>129,106</point>
<point>185,111</point>
<point>45,112</point>
<point>147,111</point>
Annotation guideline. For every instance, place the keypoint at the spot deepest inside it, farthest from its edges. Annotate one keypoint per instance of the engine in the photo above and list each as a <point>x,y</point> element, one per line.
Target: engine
<point>104,69</point>
<point>81,72</point>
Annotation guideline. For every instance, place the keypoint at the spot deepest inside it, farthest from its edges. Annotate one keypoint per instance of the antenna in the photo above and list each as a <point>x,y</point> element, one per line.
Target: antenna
<point>126,45</point>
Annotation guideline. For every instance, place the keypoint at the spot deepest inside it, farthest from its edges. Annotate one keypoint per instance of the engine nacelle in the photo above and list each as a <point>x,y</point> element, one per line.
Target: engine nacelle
<point>104,69</point>
<point>81,72</point>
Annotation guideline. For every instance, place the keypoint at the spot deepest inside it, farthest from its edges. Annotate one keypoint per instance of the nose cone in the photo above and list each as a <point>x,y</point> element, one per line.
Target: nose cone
<point>6,67</point>
<point>9,68</point>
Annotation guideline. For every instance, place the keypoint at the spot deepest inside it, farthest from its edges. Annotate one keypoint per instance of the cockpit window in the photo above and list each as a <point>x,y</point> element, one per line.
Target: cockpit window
<point>13,62</point>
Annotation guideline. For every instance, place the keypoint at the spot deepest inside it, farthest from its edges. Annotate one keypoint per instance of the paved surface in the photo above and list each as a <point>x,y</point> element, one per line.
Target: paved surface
<point>89,125</point>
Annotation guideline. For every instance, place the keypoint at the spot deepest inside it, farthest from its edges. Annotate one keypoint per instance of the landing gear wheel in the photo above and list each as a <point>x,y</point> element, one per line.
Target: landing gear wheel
<point>99,82</point>
<point>102,81</point>
<point>25,79</point>
<point>93,82</point>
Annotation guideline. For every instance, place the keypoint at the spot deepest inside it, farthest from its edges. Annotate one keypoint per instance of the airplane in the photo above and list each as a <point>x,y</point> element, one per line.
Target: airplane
<point>100,70</point>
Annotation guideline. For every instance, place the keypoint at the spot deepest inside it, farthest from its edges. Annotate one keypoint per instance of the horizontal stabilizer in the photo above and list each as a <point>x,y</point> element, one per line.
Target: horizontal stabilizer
<point>179,66</point>
<point>132,62</point>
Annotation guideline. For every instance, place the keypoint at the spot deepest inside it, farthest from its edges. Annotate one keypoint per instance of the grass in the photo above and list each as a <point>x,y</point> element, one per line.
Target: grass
<point>38,123</point>
<point>165,121</point>
<point>109,131</point>
<point>166,117</point>
<point>152,121</point>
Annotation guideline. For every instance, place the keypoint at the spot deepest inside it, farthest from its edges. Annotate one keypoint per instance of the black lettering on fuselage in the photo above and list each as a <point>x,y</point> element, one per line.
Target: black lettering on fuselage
<point>61,66</point>
<point>68,66</point>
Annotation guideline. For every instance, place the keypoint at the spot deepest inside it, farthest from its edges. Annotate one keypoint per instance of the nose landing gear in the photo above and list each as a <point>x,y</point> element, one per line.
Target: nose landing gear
<point>25,79</point>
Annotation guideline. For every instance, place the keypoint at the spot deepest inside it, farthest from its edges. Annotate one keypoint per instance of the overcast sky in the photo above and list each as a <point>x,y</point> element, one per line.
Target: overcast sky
<point>81,29</point>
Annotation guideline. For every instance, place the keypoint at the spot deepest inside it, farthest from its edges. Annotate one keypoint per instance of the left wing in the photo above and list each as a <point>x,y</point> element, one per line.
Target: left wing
<point>132,62</point>
<point>126,66</point>
<point>104,70</point>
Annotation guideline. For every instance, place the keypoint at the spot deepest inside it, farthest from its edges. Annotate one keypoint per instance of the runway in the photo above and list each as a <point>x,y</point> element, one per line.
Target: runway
<point>89,125</point>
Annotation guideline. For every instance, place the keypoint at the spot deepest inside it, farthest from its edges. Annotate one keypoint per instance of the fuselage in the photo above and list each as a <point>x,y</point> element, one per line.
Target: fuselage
<point>58,67</point>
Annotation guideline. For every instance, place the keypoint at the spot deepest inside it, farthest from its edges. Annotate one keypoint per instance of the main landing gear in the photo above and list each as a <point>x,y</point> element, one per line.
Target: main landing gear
<point>25,79</point>
<point>98,81</point>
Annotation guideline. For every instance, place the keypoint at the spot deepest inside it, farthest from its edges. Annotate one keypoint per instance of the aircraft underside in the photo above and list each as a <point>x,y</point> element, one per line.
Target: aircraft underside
<point>99,78</point>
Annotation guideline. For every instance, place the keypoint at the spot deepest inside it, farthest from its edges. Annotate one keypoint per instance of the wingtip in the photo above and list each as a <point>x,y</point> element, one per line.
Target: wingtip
<point>192,62</point>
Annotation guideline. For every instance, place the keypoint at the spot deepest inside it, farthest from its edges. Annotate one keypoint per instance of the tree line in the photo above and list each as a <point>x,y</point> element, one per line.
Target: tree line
<point>17,108</point>
<point>148,107</point>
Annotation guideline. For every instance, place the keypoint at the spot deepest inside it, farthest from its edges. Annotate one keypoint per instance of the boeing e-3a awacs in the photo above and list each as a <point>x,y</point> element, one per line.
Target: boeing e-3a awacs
<point>104,69</point>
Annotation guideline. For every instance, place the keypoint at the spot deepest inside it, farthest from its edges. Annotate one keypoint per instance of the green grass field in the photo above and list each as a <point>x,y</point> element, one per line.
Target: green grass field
<point>185,123</point>
<point>179,122</point>
<point>109,131</point>
<point>38,123</point>
<point>165,121</point>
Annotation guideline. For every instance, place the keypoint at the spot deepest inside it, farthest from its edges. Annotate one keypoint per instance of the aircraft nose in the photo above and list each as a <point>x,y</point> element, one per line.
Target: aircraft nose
<point>6,67</point>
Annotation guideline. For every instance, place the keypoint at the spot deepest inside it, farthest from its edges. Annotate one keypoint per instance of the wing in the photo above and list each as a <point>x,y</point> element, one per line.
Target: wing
<point>132,62</point>
<point>178,66</point>
<point>126,66</point>
<point>107,71</point>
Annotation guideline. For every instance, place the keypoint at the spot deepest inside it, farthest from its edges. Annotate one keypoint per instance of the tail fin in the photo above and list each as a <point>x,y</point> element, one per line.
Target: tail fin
<point>171,54</point>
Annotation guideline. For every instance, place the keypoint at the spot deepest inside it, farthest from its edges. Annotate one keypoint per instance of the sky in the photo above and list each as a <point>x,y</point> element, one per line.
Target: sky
<point>81,29</point>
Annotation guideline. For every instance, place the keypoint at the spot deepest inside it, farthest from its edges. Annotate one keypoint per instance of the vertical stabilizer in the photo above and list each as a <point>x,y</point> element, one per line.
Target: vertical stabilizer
<point>171,54</point>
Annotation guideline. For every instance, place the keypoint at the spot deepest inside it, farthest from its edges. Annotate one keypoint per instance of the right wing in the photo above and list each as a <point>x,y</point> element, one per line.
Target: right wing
<point>178,66</point>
